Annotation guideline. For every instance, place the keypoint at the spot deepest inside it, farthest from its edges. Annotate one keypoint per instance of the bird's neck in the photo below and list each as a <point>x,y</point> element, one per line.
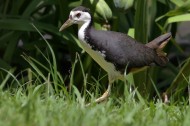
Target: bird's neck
<point>83,29</point>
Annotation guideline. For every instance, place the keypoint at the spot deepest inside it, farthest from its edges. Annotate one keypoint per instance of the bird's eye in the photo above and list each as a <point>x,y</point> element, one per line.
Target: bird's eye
<point>78,15</point>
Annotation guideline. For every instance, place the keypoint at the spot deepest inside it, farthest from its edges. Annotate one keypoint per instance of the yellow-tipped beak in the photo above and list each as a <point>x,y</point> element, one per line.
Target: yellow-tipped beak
<point>68,23</point>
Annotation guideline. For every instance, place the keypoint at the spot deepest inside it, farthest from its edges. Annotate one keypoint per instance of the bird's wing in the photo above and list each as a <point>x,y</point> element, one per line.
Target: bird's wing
<point>121,49</point>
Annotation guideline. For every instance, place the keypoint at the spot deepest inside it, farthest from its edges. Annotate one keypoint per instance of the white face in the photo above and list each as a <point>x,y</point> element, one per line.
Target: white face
<point>79,17</point>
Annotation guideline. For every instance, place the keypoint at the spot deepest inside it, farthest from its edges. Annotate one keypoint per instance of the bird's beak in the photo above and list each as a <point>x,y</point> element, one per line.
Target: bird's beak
<point>68,23</point>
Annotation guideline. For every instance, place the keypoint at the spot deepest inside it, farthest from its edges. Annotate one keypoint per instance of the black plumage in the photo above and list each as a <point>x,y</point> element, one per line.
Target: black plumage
<point>120,49</point>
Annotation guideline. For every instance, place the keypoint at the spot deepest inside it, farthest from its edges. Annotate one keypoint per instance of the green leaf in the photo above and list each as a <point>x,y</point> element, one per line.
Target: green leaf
<point>5,38</point>
<point>131,32</point>
<point>100,8</point>
<point>178,18</point>
<point>178,2</point>
<point>31,7</point>
<point>178,11</point>
<point>123,4</point>
<point>16,24</point>
<point>141,21</point>
<point>180,81</point>
<point>4,64</point>
<point>10,49</point>
<point>75,4</point>
<point>25,25</point>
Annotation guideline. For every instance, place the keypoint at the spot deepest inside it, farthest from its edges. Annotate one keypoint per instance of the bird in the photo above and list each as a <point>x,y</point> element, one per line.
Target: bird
<point>114,51</point>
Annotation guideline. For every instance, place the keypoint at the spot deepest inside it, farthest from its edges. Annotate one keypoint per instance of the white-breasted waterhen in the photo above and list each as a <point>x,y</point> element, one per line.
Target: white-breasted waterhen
<point>115,51</point>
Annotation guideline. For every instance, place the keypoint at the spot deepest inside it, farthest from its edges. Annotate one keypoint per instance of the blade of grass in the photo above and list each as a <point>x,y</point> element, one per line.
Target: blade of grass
<point>54,75</point>
<point>27,58</point>
<point>83,73</point>
<point>180,79</point>
<point>155,88</point>
<point>9,74</point>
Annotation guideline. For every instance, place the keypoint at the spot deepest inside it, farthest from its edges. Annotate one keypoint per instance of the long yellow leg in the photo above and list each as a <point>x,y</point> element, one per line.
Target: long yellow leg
<point>107,93</point>
<point>104,96</point>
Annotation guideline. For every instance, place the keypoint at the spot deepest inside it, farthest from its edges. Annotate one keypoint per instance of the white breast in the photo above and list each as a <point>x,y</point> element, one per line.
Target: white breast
<point>81,31</point>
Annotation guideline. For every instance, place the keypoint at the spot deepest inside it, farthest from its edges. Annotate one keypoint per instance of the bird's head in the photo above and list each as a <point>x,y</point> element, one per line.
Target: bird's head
<point>78,15</point>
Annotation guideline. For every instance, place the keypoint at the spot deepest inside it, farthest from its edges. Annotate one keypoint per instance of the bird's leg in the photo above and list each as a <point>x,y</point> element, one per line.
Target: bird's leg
<point>105,95</point>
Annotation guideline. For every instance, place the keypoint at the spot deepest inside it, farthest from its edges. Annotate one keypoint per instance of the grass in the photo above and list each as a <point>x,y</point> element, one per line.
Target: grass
<point>33,110</point>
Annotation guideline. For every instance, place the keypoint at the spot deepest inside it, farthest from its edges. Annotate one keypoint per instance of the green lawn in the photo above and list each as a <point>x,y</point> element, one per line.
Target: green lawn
<point>34,109</point>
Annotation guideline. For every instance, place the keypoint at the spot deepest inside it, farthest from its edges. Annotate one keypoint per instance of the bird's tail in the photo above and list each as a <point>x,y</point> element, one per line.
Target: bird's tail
<point>158,44</point>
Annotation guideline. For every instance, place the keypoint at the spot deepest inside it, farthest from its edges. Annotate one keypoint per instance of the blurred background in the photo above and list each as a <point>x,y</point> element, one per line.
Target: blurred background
<point>142,19</point>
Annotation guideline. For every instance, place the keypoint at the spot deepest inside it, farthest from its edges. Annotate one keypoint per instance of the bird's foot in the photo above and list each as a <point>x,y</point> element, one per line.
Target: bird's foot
<point>101,99</point>
<point>165,98</point>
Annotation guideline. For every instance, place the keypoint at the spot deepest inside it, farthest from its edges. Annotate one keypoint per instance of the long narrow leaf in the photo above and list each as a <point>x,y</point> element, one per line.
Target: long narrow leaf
<point>180,80</point>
